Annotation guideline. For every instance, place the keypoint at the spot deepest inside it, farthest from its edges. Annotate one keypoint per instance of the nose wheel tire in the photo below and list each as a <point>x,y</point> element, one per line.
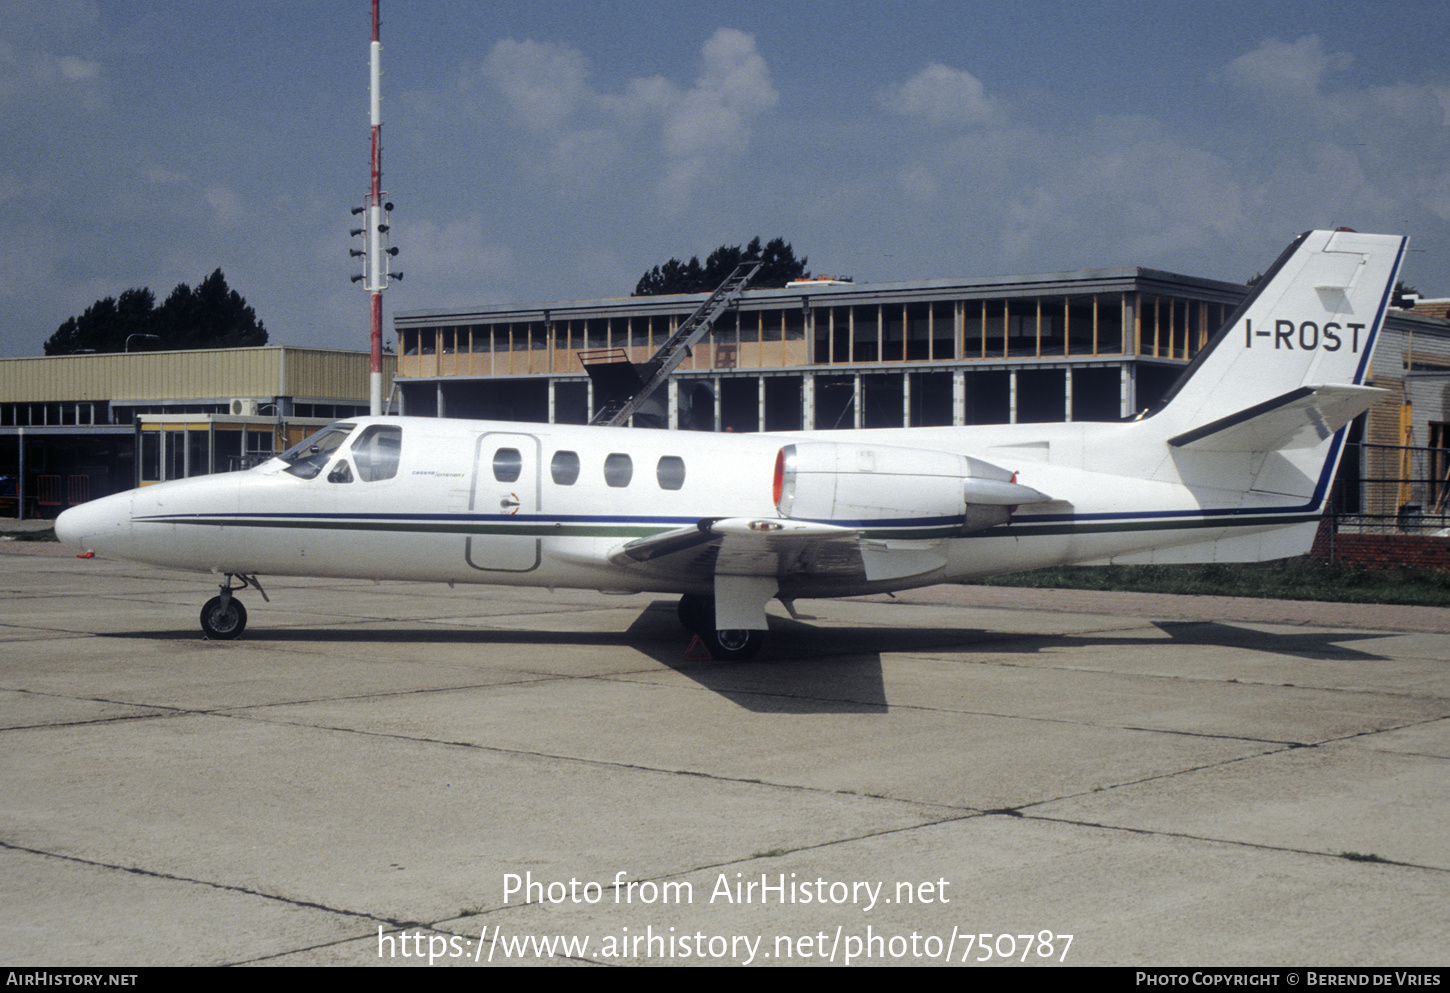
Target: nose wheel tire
<point>223,621</point>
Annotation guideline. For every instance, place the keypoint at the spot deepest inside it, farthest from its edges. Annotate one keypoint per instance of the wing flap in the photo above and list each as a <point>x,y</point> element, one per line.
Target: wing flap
<point>765,547</point>
<point>748,533</point>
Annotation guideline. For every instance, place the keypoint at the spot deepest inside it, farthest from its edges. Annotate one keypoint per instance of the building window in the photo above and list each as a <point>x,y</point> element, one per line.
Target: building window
<point>1439,488</point>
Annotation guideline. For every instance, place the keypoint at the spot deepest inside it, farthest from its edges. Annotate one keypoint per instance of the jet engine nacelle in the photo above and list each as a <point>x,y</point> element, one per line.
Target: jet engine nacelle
<point>846,482</point>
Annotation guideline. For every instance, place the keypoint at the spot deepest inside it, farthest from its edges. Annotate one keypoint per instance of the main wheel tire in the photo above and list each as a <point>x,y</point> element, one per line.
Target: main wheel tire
<point>223,623</point>
<point>696,612</point>
<point>732,646</point>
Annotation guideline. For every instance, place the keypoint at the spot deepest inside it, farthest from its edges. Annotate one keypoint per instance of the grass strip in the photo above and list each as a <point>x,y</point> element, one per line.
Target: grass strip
<point>1291,579</point>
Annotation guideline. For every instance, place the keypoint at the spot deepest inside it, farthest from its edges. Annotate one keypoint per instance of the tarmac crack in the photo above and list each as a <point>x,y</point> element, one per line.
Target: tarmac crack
<point>210,884</point>
<point>855,705</point>
<point>165,711</point>
<point>1232,842</point>
<point>1024,810</point>
<point>585,760</point>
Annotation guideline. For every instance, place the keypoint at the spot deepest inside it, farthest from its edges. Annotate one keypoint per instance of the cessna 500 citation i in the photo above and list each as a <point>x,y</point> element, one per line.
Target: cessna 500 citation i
<point>1234,465</point>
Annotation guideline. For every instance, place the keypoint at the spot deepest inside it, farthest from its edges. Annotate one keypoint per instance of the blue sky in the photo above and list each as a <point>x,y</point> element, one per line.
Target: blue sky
<point>556,150</point>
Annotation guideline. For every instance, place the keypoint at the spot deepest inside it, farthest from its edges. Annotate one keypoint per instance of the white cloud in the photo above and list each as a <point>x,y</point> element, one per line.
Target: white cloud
<point>454,253</point>
<point>1344,152</point>
<point>1296,80</point>
<point>1276,68</point>
<point>544,84</point>
<point>675,138</point>
<point>226,206</point>
<point>920,182</point>
<point>74,69</point>
<point>1442,96</point>
<point>39,79</point>
<point>715,114</point>
<point>941,96</point>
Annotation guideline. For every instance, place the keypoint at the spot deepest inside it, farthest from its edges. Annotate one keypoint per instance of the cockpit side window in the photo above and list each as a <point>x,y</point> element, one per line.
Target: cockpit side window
<point>376,452</point>
<point>307,458</point>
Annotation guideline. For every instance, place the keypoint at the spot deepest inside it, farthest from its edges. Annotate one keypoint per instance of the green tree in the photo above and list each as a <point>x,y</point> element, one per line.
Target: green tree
<point>779,267</point>
<point>210,316</point>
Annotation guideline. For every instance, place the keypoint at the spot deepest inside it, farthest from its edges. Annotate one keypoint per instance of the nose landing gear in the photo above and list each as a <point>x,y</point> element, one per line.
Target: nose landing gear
<point>224,618</point>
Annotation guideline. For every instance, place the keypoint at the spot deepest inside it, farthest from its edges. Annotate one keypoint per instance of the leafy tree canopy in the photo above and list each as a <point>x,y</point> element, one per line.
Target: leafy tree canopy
<point>210,316</point>
<point>780,267</point>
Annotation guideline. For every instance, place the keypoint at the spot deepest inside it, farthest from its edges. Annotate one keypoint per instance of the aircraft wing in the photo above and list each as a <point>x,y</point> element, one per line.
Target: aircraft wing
<point>749,546</point>
<point>746,558</point>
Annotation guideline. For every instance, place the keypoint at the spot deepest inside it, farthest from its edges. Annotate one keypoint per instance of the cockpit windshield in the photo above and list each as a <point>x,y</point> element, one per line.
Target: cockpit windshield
<point>306,458</point>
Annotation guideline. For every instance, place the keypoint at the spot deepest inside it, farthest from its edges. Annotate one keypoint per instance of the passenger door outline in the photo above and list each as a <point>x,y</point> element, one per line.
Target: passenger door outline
<point>504,552</point>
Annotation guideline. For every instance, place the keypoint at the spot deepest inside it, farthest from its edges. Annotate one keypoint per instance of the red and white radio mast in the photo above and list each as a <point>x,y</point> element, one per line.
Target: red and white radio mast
<point>376,212</point>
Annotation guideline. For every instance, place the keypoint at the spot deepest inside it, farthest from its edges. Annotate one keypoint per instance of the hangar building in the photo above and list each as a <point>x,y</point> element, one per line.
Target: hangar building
<point>76,427</point>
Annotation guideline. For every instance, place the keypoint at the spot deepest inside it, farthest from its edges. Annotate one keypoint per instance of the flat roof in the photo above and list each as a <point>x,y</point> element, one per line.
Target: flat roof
<point>1079,283</point>
<point>325,374</point>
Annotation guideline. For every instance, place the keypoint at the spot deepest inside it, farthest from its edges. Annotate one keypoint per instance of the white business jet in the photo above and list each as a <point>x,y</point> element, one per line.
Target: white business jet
<point>1234,465</point>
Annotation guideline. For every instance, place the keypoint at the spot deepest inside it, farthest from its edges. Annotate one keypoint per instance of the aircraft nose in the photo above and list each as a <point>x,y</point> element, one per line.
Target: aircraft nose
<point>95,524</point>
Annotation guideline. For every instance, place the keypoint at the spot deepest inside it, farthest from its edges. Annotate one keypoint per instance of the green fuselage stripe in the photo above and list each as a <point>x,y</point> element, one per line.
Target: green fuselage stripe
<point>1022,529</point>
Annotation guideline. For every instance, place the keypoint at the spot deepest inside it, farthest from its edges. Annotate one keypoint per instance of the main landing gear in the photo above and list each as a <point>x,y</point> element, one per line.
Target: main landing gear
<point>697,614</point>
<point>224,618</point>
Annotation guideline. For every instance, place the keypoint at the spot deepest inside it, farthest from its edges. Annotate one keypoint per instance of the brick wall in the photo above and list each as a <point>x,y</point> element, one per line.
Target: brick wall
<point>1382,551</point>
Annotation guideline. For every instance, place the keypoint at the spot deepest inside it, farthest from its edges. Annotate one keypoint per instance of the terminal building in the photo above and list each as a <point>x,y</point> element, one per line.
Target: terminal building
<point>823,354</point>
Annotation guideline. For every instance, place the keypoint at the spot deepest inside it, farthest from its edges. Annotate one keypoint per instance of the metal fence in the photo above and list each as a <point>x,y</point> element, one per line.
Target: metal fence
<point>1392,489</point>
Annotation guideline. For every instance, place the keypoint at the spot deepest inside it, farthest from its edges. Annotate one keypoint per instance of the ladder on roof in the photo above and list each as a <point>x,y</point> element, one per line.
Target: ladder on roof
<point>626,386</point>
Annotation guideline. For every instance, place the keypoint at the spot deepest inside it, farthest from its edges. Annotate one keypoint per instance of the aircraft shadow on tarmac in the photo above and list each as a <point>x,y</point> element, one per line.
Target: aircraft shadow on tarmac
<point>1314,646</point>
<point>811,669</point>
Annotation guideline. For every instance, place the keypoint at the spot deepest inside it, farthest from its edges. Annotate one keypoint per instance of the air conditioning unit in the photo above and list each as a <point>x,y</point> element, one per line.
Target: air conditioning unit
<point>244,406</point>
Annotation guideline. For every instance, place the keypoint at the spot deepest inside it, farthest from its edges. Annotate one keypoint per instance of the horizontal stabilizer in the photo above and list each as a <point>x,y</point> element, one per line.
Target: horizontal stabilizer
<point>1301,418</point>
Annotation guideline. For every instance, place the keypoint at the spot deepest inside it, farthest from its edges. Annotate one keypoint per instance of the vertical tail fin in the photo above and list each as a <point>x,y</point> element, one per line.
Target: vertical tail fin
<point>1255,426</point>
<point>1312,321</point>
<point>1261,410</point>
